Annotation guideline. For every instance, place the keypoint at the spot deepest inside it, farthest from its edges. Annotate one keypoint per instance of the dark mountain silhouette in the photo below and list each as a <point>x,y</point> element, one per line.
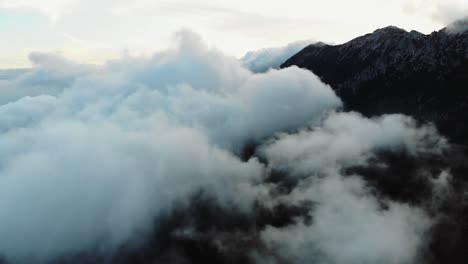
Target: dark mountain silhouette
<point>395,71</point>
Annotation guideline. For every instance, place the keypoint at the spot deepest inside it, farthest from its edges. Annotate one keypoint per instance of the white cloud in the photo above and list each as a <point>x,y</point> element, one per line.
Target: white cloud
<point>50,75</point>
<point>92,162</point>
<point>71,185</point>
<point>349,139</point>
<point>91,156</point>
<point>271,58</point>
<point>350,222</point>
<point>349,225</point>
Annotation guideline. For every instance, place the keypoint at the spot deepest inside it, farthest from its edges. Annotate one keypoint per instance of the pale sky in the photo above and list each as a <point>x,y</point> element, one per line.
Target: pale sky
<point>93,31</point>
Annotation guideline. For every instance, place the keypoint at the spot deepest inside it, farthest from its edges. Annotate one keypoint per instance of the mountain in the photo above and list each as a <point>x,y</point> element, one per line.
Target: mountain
<point>395,71</point>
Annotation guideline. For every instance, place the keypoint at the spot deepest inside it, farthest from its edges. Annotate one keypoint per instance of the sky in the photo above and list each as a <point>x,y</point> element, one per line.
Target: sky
<point>93,31</point>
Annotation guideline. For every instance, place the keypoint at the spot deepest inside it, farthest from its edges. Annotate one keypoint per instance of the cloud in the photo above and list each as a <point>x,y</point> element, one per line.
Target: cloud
<point>458,27</point>
<point>271,58</point>
<point>104,183</point>
<point>146,153</point>
<point>349,225</point>
<point>92,156</point>
<point>230,103</point>
<point>446,12</point>
<point>350,220</point>
<point>339,140</point>
<point>50,75</point>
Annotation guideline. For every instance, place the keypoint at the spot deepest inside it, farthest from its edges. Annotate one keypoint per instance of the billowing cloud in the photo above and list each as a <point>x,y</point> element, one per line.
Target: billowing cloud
<point>271,58</point>
<point>349,139</point>
<point>348,225</point>
<point>70,185</point>
<point>50,75</point>
<point>91,163</point>
<point>348,222</point>
<point>153,154</point>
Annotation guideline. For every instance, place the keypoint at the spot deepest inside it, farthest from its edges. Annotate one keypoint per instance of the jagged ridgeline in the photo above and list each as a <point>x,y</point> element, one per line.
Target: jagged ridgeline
<point>395,71</point>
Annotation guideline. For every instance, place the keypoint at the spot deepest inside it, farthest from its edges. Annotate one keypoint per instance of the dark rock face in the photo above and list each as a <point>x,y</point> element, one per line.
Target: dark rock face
<point>395,71</point>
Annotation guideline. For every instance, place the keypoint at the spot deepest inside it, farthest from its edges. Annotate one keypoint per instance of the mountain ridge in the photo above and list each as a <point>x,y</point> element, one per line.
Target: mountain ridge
<point>392,70</point>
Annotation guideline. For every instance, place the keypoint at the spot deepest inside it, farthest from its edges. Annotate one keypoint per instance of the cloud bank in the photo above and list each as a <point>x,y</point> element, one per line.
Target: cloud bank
<point>91,156</point>
<point>143,160</point>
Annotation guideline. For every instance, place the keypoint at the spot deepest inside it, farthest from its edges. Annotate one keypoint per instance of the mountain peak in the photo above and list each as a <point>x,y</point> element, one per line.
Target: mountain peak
<point>389,30</point>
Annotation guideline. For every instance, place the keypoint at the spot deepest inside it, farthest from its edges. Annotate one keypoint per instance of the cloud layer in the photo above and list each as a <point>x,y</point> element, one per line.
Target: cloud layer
<point>94,159</point>
<point>96,154</point>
